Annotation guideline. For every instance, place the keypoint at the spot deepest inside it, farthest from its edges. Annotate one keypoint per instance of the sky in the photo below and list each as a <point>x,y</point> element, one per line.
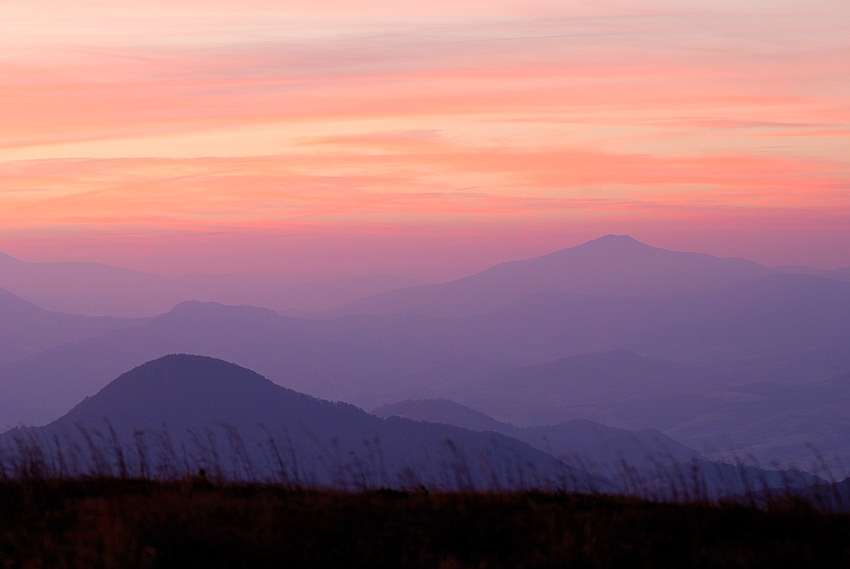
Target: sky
<point>339,137</point>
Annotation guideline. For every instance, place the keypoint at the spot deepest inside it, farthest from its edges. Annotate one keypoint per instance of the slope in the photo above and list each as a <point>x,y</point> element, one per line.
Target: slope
<point>592,444</point>
<point>173,415</point>
<point>360,362</point>
<point>26,329</point>
<point>643,462</point>
<point>614,265</point>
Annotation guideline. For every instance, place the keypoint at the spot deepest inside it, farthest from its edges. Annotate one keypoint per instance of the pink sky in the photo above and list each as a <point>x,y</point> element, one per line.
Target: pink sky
<point>340,137</point>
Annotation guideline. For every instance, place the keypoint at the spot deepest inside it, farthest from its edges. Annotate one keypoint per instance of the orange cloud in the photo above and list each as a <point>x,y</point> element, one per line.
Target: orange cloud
<point>411,178</point>
<point>605,70</point>
<point>150,119</point>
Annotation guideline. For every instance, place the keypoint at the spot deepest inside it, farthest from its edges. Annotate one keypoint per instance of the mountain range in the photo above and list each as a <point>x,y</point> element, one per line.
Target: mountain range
<point>614,265</point>
<point>26,329</point>
<point>595,446</point>
<point>181,413</point>
<point>96,289</point>
<point>644,462</point>
<point>714,352</point>
<point>184,414</point>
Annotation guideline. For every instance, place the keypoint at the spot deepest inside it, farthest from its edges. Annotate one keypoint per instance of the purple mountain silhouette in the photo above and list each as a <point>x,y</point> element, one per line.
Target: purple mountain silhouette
<point>644,461</point>
<point>179,413</point>
<point>777,328</point>
<point>98,289</point>
<point>614,265</point>
<point>591,443</point>
<point>26,329</point>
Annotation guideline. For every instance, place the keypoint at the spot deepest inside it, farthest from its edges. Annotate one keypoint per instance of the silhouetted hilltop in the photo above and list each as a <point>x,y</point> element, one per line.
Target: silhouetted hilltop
<point>179,413</point>
<point>188,390</point>
<point>346,359</point>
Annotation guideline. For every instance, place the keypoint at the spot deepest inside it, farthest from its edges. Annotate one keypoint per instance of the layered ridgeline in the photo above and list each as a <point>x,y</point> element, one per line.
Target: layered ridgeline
<point>182,414</point>
<point>768,423</point>
<point>346,359</point>
<point>596,446</point>
<point>614,265</point>
<point>27,329</point>
<point>86,288</point>
<point>783,328</point>
<point>644,462</point>
<point>720,358</point>
<point>178,414</point>
<point>97,289</point>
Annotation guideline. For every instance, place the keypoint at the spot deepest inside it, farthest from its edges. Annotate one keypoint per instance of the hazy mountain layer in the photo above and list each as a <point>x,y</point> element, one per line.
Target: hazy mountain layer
<point>26,329</point>
<point>638,359</point>
<point>644,462</point>
<point>614,265</point>
<point>97,289</point>
<point>579,441</point>
<point>324,358</point>
<point>180,413</point>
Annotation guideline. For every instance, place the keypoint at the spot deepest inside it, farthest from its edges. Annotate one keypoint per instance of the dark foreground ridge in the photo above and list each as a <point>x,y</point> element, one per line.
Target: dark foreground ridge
<point>133,523</point>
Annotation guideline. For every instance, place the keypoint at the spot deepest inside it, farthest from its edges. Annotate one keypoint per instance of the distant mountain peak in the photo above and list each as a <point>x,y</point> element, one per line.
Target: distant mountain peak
<point>612,240</point>
<point>616,237</point>
<point>611,265</point>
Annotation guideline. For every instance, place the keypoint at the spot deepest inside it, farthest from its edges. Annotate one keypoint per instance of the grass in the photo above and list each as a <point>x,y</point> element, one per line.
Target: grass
<point>99,504</point>
<point>114,523</point>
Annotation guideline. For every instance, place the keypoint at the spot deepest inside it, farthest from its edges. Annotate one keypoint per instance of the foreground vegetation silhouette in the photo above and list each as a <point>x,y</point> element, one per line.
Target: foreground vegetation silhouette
<point>125,523</point>
<point>107,496</point>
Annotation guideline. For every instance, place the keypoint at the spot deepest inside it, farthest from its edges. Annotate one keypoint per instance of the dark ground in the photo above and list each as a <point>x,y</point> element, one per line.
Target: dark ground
<point>127,524</point>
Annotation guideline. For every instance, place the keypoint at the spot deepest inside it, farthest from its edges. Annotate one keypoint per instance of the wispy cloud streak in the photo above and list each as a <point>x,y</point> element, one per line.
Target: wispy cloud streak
<point>268,114</point>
